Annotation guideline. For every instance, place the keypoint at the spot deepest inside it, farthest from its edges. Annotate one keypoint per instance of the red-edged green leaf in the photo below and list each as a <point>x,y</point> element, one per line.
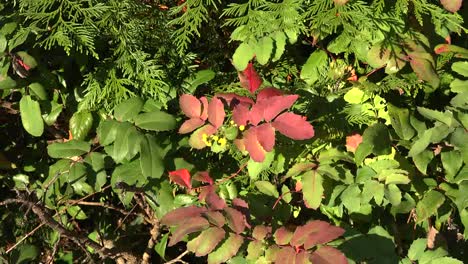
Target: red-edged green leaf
<point>214,201</point>
<point>250,79</point>
<point>215,218</point>
<point>302,233</point>
<point>240,114</point>
<point>206,241</point>
<point>452,5</point>
<point>267,93</point>
<point>216,112</point>
<point>190,125</point>
<point>179,215</point>
<point>277,104</point>
<point>260,232</point>
<point>302,258</point>
<point>293,126</point>
<point>286,255</point>
<point>181,177</point>
<point>227,250</point>
<point>424,69</point>
<point>312,189</point>
<point>196,139</point>
<point>254,250</point>
<point>283,236</point>
<point>190,105</point>
<point>253,146</point>
<point>190,225</point>
<point>203,176</point>
<point>328,255</point>
<point>266,136</point>
<point>235,219</point>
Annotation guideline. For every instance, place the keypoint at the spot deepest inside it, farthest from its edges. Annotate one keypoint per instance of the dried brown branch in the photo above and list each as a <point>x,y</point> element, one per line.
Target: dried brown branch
<point>179,258</point>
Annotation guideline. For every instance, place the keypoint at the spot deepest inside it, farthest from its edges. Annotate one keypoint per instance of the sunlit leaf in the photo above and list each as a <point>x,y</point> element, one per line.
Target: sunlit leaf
<point>194,224</point>
<point>228,249</point>
<point>206,241</point>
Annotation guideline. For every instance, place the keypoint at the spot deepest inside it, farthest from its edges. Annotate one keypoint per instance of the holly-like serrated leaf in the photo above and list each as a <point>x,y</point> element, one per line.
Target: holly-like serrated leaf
<point>283,235</point>
<point>155,121</point>
<point>312,189</point>
<point>215,218</point>
<point>429,204</point>
<point>128,109</point>
<point>446,117</point>
<point>263,50</point>
<point>235,220</point>
<point>179,215</point>
<point>314,65</point>
<point>299,168</point>
<point>293,126</point>
<point>107,131</point>
<point>421,143</point>
<point>417,248</point>
<point>318,235</point>
<point>194,224</point>
<point>80,124</point>
<point>228,249</point>
<point>31,116</point>
<point>190,105</point>
<point>461,67</point>
<point>280,43</point>
<point>267,188</point>
<point>424,68</point>
<point>253,146</point>
<point>328,255</point>
<point>452,162</point>
<point>216,112</point>
<point>68,149</point>
<point>214,201</point>
<point>254,250</point>
<point>401,122</point>
<point>351,198</point>
<point>302,258</point>
<point>240,115</point>
<point>243,54</point>
<point>206,241</point>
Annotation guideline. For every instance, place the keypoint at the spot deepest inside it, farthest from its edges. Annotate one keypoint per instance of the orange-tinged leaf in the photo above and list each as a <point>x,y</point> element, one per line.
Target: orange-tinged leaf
<point>214,201</point>
<point>190,105</point>
<point>286,255</point>
<point>352,142</point>
<point>273,106</point>
<point>179,215</point>
<point>328,255</point>
<point>253,146</point>
<point>190,125</point>
<point>302,258</point>
<point>204,113</point>
<point>181,177</point>
<point>190,225</point>
<point>266,136</point>
<point>283,235</point>
<point>206,241</point>
<point>451,5</point>
<point>302,232</point>
<point>293,126</point>
<point>233,99</point>
<point>216,112</point>
<point>240,115</point>
<point>260,232</point>
<point>203,176</point>
<point>196,139</point>
<point>323,235</point>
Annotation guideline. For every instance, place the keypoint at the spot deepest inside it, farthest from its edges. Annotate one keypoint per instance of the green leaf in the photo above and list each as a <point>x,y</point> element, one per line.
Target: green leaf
<point>267,188</point>
<point>38,90</point>
<point>27,59</point>
<point>351,198</point>
<point>227,250</point>
<point>68,149</point>
<point>243,54</point>
<point>445,260</point>
<point>355,96</point>
<point>255,168</point>
<point>363,150</point>
<point>314,65</point>
<point>263,50</point>
<point>428,205</point>
<point>461,67</point>
<point>400,120</point>
<point>160,247</point>
<point>151,159</point>
<point>7,83</point>
<point>206,241</point>
<point>25,254</point>
<point>3,43</point>
<point>280,43</point>
<point>51,117</point>
<point>107,131</point>
<point>459,86</point>
<point>312,189</point>
<point>464,220</point>
<point>396,177</point>
<point>128,109</point>
<point>96,160</point>
<point>417,249</point>
<point>31,116</point>
<point>156,121</point>
<point>446,117</point>
<point>422,160</point>
<point>421,143</point>
<point>452,162</point>
<point>76,212</point>
<point>201,77</point>
<point>393,194</point>
<point>80,124</point>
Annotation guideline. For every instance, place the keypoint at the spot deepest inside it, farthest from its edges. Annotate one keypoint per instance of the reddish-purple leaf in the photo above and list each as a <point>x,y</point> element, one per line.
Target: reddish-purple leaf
<point>302,258</point>
<point>204,191</point>
<point>302,232</point>
<point>261,231</point>
<point>283,236</point>
<point>190,125</point>
<point>190,225</point>
<point>214,201</point>
<point>196,139</point>
<point>250,79</point>
<point>190,105</point>
<point>233,99</point>
<point>452,5</point>
<point>215,217</point>
<point>235,219</point>
<point>286,255</point>
<point>204,113</point>
<point>323,236</point>
<point>206,241</point>
<point>266,136</point>
<point>256,112</point>
<point>293,126</point>
<point>242,206</point>
<point>328,255</point>
<point>181,177</point>
<point>277,104</point>
<point>253,146</point>
<point>268,92</point>
<point>203,176</point>
<point>179,215</point>
<point>240,114</point>
<point>216,112</point>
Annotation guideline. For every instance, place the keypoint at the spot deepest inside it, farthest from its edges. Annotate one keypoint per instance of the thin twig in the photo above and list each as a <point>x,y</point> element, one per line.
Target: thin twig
<point>179,258</point>
<point>23,238</point>
<point>122,211</point>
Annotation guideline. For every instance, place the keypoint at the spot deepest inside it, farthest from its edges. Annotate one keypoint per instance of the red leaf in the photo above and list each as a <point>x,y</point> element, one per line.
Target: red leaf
<point>283,235</point>
<point>204,114</point>
<point>215,218</point>
<point>240,115</point>
<point>302,232</point>
<point>240,144</point>
<point>302,258</point>
<point>256,113</point>
<point>235,219</point>
<point>323,236</point>
<point>241,206</point>
<point>286,255</point>
<point>268,92</point>
<point>216,112</point>
<point>179,215</point>
<point>181,177</point>
<point>276,104</point>
<point>190,105</point>
<point>250,79</point>
<point>266,136</point>
<point>352,142</point>
<point>293,126</point>
<point>214,201</point>
<point>328,255</point>
<point>190,225</point>
<point>253,146</point>
<point>190,125</point>
<point>442,48</point>
<point>203,176</point>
